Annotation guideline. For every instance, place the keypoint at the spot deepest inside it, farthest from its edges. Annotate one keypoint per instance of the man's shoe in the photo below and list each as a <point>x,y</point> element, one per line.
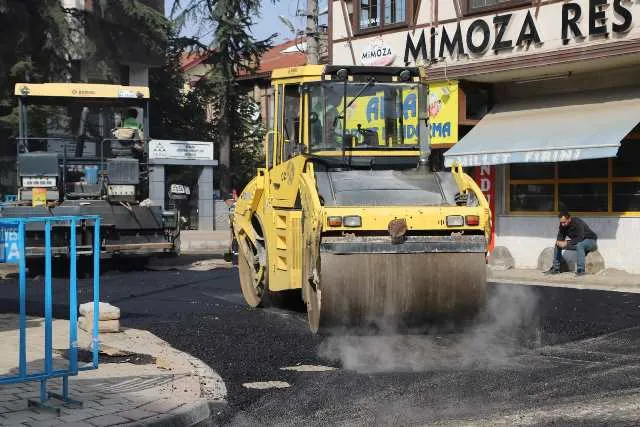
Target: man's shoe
<point>552,270</point>
<point>580,273</point>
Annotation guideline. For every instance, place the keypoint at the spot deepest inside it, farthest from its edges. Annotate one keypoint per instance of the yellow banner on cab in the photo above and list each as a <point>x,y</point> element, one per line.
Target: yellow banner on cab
<point>369,112</point>
<point>443,112</point>
<point>39,197</point>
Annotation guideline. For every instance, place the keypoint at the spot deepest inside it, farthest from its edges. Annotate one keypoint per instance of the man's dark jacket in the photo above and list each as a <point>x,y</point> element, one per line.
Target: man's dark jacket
<point>577,231</point>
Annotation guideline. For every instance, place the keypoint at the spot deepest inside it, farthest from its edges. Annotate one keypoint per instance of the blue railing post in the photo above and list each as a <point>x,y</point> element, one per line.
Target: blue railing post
<point>48,300</point>
<point>96,291</point>
<point>73,300</point>
<point>48,311</point>
<point>23,299</point>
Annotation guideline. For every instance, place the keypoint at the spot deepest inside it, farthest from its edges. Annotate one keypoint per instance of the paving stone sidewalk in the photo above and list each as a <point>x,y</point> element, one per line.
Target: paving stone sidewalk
<point>608,279</point>
<point>153,385</point>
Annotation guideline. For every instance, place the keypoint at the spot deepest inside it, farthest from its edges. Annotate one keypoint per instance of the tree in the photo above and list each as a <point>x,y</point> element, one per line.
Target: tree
<point>233,50</point>
<point>42,39</point>
<point>44,42</point>
<point>176,113</point>
<point>33,48</point>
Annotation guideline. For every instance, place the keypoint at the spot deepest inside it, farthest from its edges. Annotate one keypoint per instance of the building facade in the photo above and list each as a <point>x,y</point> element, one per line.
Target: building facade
<point>545,97</point>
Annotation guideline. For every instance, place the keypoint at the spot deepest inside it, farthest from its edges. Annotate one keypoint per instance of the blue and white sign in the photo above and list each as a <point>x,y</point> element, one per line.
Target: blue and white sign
<point>9,250</point>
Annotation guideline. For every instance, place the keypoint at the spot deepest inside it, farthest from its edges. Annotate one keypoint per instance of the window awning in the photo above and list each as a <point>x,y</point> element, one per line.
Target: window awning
<point>556,128</point>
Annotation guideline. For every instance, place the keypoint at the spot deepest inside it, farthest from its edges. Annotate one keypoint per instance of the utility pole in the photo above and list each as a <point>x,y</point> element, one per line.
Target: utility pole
<point>313,36</point>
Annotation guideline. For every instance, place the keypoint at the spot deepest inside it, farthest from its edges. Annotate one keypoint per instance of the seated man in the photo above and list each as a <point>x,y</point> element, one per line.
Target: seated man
<point>581,239</point>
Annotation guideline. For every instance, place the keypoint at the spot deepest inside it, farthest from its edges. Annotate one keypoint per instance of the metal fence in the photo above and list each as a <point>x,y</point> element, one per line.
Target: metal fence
<point>12,241</point>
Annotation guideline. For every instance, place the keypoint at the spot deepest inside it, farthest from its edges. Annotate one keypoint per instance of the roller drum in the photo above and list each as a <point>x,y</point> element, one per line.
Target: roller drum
<point>360,288</point>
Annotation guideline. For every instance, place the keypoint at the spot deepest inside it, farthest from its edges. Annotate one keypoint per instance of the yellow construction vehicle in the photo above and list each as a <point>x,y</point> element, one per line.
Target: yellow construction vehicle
<point>348,210</point>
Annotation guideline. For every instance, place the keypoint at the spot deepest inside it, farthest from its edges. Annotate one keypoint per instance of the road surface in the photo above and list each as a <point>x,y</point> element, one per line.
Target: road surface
<point>542,356</point>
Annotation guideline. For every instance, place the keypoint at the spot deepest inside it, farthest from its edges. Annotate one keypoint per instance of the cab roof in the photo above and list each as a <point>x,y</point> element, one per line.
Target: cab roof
<point>329,72</point>
<point>81,90</point>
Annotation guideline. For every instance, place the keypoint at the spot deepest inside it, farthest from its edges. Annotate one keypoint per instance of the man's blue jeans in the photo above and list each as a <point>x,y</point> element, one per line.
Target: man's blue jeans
<point>581,248</point>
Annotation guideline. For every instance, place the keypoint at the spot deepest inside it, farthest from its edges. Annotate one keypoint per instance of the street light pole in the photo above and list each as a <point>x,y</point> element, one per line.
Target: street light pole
<point>313,37</point>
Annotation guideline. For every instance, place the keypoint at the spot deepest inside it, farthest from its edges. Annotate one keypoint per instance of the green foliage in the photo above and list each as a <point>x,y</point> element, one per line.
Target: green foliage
<point>175,114</point>
<point>246,153</point>
<point>42,39</point>
<point>33,49</point>
<point>122,30</point>
<point>233,50</point>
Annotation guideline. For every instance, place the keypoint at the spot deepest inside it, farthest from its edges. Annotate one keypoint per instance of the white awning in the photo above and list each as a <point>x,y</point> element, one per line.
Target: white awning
<point>555,128</point>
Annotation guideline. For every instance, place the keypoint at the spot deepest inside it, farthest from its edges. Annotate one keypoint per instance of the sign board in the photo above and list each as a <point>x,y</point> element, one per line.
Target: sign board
<point>377,53</point>
<point>485,177</point>
<point>39,196</point>
<point>508,32</point>
<point>160,149</point>
<point>9,251</point>
<point>443,112</point>
<point>32,181</point>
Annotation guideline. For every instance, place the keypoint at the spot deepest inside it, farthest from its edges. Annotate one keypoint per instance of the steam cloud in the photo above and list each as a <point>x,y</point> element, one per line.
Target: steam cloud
<point>509,326</point>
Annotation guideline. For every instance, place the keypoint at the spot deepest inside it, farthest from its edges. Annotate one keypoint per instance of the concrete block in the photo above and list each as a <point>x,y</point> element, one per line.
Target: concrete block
<point>545,260</point>
<point>107,311</point>
<point>501,259</point>
<point>104,326</point>
<point>594,261</point>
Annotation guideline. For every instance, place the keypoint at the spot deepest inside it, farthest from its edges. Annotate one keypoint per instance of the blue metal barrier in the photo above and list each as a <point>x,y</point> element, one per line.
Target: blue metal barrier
<point>20,224</point>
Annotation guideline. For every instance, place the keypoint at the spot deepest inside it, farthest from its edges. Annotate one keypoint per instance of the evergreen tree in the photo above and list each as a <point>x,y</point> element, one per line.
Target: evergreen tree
<point>41,40</point>
<point>33,49</point>
<point>233,50</point>
<point>177,113</point>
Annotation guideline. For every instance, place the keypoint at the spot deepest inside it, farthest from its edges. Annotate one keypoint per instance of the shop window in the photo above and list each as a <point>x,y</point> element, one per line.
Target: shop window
<point>373,14</point>
<point>598,186</point>
<point>478,6</point>
<point>626,164</point>
<point>531,197</point>
<point>477,101</point>
<point>626,197</point>
<point>584,197</point>
<point>533,171</point>
<point>596,168</point>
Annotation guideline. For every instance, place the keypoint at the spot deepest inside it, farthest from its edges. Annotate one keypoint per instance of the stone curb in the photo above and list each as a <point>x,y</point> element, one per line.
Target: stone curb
<point>187,415</point>
<point>584,286</point>
<point>212,386</point>
<point>212,391</point>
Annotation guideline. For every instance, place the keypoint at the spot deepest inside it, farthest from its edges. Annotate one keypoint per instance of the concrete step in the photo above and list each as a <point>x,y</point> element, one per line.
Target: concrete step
<point>205,242</point>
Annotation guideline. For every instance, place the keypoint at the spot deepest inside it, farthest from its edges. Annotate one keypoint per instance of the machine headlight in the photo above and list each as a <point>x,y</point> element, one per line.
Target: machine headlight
<point>352,221</point>
<point>455,221</point>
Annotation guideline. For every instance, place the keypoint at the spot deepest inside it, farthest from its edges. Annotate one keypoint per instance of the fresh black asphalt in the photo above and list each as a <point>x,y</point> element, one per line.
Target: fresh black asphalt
<point>540,356</point>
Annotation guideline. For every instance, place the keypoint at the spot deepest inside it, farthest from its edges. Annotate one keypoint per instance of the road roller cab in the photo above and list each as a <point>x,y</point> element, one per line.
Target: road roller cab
<point>348,210</point>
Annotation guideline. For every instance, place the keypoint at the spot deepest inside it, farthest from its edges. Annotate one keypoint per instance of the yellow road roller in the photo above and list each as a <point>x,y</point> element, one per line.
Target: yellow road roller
<point>349,210</point>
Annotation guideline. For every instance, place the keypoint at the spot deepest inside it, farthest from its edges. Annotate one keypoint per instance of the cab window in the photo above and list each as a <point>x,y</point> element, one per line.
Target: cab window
<point>291,128</point>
